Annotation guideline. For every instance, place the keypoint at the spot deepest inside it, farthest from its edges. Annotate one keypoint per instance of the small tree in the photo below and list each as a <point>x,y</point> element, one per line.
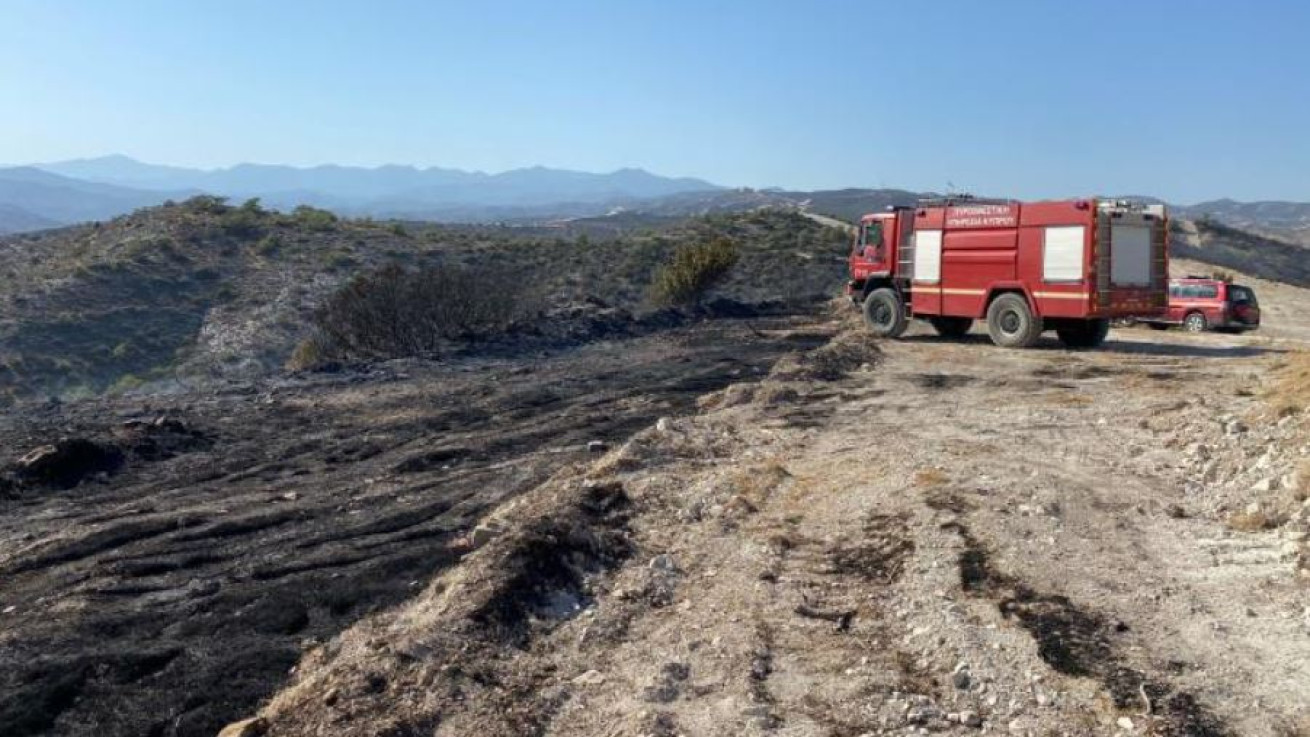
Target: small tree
<point>692,272</point>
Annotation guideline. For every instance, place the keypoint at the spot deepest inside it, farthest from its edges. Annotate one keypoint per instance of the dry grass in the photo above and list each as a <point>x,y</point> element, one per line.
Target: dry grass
<point>753,486</point>
<point>1069,399</point>
<point>1301,489</point>
<point>931,477</point>
<point>1290,392</point>
<point>1253,521</point>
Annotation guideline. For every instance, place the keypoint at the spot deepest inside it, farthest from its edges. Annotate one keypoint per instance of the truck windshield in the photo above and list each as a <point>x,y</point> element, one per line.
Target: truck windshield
<point>1241,295</point>
<point>872,234</point>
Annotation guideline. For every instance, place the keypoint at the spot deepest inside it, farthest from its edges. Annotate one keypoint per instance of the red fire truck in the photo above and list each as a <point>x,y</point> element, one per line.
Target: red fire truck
<point>1070,266</point>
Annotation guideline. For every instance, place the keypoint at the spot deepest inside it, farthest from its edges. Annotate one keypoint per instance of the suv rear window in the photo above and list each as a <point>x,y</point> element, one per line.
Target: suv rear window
<point>1241,295</point>
<point>1194,291</point>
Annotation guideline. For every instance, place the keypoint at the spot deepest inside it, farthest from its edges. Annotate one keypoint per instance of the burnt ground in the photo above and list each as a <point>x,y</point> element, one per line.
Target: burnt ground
<point>173,592</point>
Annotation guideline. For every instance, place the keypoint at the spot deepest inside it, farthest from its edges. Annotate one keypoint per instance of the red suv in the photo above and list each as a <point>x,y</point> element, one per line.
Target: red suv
<point>1200,304</point>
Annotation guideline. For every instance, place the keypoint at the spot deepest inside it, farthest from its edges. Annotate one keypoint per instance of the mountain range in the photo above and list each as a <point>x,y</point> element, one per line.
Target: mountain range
<point>88,189</point>
<point>41,196</point>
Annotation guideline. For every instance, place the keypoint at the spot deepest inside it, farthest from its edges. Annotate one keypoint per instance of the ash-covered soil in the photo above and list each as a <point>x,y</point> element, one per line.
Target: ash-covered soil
<point>217,537</point>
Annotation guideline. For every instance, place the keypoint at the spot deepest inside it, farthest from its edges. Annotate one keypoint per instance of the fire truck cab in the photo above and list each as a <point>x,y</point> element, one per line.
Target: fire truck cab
<point>1070,266</point>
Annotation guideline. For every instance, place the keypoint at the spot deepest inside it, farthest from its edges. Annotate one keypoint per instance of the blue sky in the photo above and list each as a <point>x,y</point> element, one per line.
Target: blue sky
<point>1186,100</point>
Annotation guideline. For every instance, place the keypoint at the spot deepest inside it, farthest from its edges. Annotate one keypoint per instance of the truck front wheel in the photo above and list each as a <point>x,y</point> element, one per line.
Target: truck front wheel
<point>1087,334</point>
<point>1011,324</point>
<point>884,311</point>
<point>951,327</point>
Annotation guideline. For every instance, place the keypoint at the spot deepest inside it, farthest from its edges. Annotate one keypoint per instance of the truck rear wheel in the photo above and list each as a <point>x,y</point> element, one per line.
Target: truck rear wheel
<point>1011,323</point>
<point>1196,323</point>
<point>1087,334</point>
<point>951,327</point>
<point>884,311</point>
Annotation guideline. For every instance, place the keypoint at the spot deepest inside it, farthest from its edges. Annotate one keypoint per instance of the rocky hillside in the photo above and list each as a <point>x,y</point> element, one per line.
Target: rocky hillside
<point>1223,245</point>
<point>202,290</point>
<point>1279,219</point>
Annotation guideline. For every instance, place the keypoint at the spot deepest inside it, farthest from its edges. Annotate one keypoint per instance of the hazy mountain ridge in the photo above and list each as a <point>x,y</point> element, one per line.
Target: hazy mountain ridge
<point>14,219</point>
<point>69,192</point>
<point>369,190</point>
<point>29,192</point>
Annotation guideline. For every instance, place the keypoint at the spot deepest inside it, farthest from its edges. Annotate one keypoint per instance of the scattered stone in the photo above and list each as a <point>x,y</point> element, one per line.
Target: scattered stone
<point>590,678</point>
<point>485,533</point>
<point>961,679</point>
<point>923,714</point>
<point>664,562</point>
<point>1124,723</point>
<point>971,719</point>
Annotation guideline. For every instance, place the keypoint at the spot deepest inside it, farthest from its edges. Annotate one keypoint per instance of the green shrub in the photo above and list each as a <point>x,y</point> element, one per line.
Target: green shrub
<point>246,221</point>
<point>314,219</point>
<point>692,272</point>
<point>207,204</point>
<point>269,246</point>
<point>126,383</point>
<point>308,355</point>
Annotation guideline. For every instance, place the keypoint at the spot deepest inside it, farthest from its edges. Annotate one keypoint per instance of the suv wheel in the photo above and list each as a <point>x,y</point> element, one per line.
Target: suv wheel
<point>1011,323</point>
<point>1196,323</point>
<point>884,312</point>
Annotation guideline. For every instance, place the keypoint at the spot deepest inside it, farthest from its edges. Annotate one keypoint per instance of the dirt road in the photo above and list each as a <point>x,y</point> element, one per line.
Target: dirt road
<point>936,536</point>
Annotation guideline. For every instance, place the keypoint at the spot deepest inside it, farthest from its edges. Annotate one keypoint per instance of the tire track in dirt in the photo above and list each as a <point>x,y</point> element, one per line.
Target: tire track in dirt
<point>1078,642</point>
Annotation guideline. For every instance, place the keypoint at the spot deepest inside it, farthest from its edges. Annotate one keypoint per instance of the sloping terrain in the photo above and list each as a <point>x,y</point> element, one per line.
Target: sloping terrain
<point>218,536</point>
<point>1278,219</point>
<point>1222,245</point>
<point>200,292</point>
<point>923,536</point>
<point>754,525</point>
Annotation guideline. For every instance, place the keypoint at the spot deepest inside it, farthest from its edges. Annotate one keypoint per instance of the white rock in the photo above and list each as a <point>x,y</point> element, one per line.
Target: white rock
<point>664,562</point>
<point>590,678</point>
<point>1266,485</point>
<point>1124,723</point>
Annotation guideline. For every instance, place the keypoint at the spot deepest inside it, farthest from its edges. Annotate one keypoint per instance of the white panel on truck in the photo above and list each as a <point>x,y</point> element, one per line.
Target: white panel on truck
<point>1064,250</point>
<point>1130,254</point>
<point>928,256</point>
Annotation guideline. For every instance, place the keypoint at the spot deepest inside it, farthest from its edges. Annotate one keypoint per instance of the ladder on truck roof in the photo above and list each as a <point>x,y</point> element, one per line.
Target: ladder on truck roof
<point>961,199</point>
